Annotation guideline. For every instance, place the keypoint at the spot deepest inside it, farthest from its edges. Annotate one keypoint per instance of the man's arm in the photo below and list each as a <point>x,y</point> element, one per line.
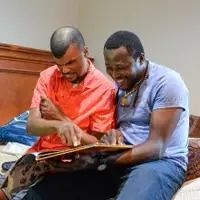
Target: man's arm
<point>51,112</point>
<point>49,119</point>
<point>163,122</point>
<point>36,125</point>
<point>40,127</point>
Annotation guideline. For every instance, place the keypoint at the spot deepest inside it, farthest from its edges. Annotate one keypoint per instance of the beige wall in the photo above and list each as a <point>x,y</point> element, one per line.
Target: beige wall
<point>31,22</point>
<point>169,30</point>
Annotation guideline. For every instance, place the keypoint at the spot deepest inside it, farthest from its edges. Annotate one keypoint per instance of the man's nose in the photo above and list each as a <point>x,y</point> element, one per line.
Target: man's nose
<point>65,69</point>
<point>115,75</point>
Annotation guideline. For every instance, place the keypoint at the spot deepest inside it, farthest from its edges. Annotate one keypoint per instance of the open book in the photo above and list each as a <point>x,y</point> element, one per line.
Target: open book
<point>81,150</point>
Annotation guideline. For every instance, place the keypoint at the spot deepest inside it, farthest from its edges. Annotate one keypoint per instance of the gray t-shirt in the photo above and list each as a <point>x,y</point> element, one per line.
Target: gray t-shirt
<point>164,88</point>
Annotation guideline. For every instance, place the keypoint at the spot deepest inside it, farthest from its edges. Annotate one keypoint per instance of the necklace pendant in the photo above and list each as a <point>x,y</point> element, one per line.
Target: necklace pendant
<point>124,101</point>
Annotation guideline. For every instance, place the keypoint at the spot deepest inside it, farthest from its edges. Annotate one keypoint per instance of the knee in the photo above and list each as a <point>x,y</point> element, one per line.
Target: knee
<point>141,183</point>
<point>145,172</point>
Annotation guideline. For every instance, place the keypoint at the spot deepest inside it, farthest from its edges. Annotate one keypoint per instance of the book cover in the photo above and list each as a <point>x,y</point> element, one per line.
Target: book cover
<point>82,150</point>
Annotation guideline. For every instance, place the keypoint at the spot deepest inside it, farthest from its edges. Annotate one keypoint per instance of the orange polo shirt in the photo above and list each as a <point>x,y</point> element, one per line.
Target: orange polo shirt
<point>90,105</point>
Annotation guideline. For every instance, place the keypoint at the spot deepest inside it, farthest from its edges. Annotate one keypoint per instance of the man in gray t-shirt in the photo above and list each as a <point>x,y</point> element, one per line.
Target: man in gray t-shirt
<point>152,114</point>
<point>163,89</point>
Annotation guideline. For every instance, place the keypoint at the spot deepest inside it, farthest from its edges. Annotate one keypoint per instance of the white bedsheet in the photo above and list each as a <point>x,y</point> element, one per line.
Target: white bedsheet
<point>14,148</point>
<point>5,157</point>
<point>189,191</point>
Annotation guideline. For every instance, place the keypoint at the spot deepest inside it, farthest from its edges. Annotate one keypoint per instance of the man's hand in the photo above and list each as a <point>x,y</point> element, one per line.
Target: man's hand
<point>113,137</point>
<point>49,110</point>
<point>70,133</point>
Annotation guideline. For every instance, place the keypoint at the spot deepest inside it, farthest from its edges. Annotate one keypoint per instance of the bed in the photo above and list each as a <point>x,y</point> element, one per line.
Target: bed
<point>19,70</point>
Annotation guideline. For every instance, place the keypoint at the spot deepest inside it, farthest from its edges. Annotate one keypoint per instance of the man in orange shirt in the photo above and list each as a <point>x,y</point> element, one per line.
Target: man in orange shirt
<point>82,95</point>
<point>73,102</point>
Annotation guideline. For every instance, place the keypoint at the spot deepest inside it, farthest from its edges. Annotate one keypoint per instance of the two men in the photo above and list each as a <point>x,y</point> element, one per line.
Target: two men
<point>152,114</point>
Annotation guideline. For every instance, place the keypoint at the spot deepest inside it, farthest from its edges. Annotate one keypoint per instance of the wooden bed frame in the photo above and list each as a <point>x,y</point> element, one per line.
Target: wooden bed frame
<point>19,70</point>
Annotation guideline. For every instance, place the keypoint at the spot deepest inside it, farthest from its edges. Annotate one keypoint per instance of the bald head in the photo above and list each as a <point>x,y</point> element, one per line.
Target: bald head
<point>62,38</point>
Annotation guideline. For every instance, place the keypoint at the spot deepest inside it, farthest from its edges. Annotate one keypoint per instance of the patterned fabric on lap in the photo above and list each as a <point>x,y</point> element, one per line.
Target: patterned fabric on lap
<point>194,126</point>
<point>193,170</point>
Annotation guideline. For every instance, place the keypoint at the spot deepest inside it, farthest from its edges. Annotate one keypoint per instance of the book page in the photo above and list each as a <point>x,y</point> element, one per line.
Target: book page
<point>85,149</point>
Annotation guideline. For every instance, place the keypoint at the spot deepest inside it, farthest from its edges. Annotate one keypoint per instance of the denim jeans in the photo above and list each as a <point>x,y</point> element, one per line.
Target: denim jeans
<point>156,180</point>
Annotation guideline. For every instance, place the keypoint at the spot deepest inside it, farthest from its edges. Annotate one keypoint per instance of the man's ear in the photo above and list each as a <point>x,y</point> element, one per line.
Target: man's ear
<point>141,58</point>
<point>85,51</point>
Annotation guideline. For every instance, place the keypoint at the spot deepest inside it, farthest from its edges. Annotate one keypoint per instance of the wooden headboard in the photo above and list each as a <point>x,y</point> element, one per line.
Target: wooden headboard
<point>19,70</point>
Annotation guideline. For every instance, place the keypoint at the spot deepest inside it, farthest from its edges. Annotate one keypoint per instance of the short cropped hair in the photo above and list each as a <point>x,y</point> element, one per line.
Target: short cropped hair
<point>125,39</point>
<point>62,38</point>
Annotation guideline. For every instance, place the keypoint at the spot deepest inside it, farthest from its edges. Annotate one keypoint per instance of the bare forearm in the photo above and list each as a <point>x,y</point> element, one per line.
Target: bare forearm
<point>41,127</point>
<point>61,117</point>
<point>147,151</point>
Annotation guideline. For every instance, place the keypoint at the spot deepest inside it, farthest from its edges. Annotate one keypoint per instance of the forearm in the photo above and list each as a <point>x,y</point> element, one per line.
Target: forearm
<point>147,151</point>
<point>61,117</point>
<point>41,127</point>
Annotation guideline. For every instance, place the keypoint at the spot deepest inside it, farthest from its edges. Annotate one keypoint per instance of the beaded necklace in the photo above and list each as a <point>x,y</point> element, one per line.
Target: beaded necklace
<point>124,99</point>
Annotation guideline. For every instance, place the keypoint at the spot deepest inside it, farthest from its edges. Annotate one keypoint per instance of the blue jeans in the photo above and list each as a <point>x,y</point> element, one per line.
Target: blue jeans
<point>156,180</point>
